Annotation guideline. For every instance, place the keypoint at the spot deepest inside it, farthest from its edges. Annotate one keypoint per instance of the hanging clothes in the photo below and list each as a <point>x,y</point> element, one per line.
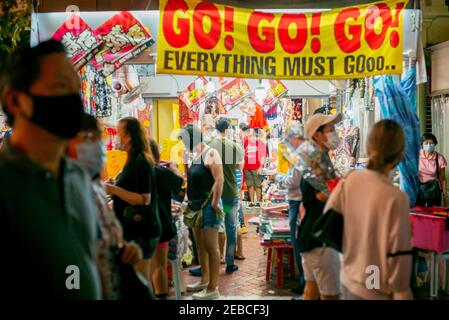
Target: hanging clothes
<point>398,102</point>
<point>258,120</point>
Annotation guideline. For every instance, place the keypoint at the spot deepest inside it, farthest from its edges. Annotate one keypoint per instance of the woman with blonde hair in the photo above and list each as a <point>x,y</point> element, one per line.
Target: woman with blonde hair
<point>377,256</point>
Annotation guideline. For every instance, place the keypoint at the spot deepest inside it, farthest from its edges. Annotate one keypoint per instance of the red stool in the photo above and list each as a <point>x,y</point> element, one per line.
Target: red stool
<point>281,249</point>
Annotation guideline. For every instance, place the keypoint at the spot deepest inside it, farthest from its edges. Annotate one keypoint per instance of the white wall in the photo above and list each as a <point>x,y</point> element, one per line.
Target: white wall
<point>440,67</point>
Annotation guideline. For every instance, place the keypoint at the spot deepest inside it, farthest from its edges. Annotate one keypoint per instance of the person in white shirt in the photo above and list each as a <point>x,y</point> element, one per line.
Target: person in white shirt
<point>377,256</point>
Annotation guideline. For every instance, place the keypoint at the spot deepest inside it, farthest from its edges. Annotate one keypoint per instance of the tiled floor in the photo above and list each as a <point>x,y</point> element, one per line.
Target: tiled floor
<point>249,281</point>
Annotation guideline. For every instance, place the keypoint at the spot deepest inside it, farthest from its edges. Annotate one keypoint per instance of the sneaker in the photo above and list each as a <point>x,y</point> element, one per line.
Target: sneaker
<point>204,295</point>
<point>232,269</point>
<point>197,286</point>
<point>195,272</point>
<point>257,205</point>
<point>250,205</point>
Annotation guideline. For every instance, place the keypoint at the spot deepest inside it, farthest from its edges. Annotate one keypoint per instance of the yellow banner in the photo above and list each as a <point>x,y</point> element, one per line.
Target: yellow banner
<point>204,38</point>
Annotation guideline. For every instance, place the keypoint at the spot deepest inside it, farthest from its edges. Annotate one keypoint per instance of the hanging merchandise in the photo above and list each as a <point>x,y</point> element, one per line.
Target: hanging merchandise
<point>257,119</point>
<point>144,116</point>
<point>315,166</point>
<point>214,107</point>
<point>396,100</point>
<point>95,92</point>
<point>344,157</point>
<point>276,91</point>
<point>115,162</point>
<point>195,94</point>
<point>186,115</point>
<point>232,93</point>
<point>124,38</point>
<point>80,41</point>
<point>297,109</point>
<point>102,96</point>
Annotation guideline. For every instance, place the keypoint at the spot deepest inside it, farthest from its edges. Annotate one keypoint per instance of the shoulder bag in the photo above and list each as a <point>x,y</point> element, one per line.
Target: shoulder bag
<point>431,189</point>
<point>329,229</point>
<point>143,221</point>
<point>194,218</point>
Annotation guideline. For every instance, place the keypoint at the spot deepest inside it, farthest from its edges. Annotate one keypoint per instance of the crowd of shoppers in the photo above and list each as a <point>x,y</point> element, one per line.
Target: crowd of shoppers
<point>78,233</point>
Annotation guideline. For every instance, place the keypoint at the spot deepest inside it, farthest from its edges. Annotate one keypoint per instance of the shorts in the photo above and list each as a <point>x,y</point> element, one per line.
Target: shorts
<point>222,227</point>
<point>210,218</point>
<point>322,266</point>
<point>253,179</point>
<point>148,247</point>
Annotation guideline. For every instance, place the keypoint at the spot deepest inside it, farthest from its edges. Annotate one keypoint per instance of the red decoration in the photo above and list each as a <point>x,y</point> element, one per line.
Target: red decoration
<point>234,92</point>
<point>195,93</point>
<point>124,38</point>
<point>257,120</point>
<point>79,40</point>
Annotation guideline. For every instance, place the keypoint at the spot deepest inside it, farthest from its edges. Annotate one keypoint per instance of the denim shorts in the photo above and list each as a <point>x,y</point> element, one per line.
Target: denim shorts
<point>210,218</point>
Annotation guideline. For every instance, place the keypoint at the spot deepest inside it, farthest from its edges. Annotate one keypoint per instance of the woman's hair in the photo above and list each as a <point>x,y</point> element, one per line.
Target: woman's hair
<point>428,136</point>
<point>191,136</point>
<point>139,144</point>
<point>386,144</point>
<point>154,147</point>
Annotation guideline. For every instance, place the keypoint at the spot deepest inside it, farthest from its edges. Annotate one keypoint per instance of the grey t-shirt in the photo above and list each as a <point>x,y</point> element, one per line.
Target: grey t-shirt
<point>49,231</point>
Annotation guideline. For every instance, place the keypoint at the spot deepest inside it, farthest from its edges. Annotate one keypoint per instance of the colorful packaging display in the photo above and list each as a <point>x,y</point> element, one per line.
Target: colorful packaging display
<point>194,94</point>
<point>234,92</point>
<point>124,38</point>
<point>80,41</point>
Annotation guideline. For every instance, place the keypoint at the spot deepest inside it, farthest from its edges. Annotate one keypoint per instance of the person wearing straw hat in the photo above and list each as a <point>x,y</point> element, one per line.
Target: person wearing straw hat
<point>321,264</point>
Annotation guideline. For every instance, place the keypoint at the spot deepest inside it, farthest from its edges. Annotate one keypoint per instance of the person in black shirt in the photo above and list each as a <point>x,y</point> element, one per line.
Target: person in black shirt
<point>321,264</point>
<point>204,189</point>
<point>48,216</point>
<point>169,181</point>
<point>135,186</point>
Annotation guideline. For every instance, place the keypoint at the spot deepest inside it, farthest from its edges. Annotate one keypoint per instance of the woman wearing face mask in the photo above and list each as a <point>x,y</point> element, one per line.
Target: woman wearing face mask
<point>321,265</point>
<point>204,189</point>
<point>432,174</point>
<point>377,256</point>
<point>135,186</point>
<point>88,149</point>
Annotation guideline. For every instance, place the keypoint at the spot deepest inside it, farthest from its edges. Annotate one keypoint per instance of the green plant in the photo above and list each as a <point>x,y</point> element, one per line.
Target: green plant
<point>15,20</point>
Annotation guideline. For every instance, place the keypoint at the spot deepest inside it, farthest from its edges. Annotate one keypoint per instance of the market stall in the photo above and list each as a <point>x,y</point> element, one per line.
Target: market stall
<point>230,71</point>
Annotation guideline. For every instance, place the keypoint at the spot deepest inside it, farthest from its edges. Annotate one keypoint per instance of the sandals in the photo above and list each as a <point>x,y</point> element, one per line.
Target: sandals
<point>240,258</point>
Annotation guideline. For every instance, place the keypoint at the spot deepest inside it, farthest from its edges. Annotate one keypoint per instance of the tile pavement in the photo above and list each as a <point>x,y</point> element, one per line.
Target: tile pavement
<point>249,281</point>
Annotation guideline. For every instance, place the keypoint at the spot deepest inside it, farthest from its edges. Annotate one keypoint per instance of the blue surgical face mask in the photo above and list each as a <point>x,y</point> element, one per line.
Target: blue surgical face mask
<point>429,148</point>
<point>91,156</point>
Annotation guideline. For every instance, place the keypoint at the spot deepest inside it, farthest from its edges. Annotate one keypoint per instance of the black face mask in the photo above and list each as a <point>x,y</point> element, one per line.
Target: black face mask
<point>59,115</point>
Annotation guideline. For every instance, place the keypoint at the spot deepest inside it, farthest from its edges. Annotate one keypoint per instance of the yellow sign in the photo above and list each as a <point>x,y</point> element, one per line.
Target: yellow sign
<point>115,161</point>
<point>204,38</point>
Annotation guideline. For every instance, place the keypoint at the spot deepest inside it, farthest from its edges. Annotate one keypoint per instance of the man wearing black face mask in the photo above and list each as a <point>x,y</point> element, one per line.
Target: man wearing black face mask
<point>48,215</point>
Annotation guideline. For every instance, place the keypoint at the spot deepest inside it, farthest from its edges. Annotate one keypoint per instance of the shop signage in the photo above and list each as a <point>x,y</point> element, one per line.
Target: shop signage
<point>79,40</point>
<point>276,90</point>
<point>124,38</point>
<point>204,38</point>
<point>108,47</point>
<point>195,93</point>
<point>234,92</point>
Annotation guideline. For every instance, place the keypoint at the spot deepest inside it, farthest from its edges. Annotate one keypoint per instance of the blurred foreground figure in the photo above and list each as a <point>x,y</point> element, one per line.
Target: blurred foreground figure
<point>49,219</point>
